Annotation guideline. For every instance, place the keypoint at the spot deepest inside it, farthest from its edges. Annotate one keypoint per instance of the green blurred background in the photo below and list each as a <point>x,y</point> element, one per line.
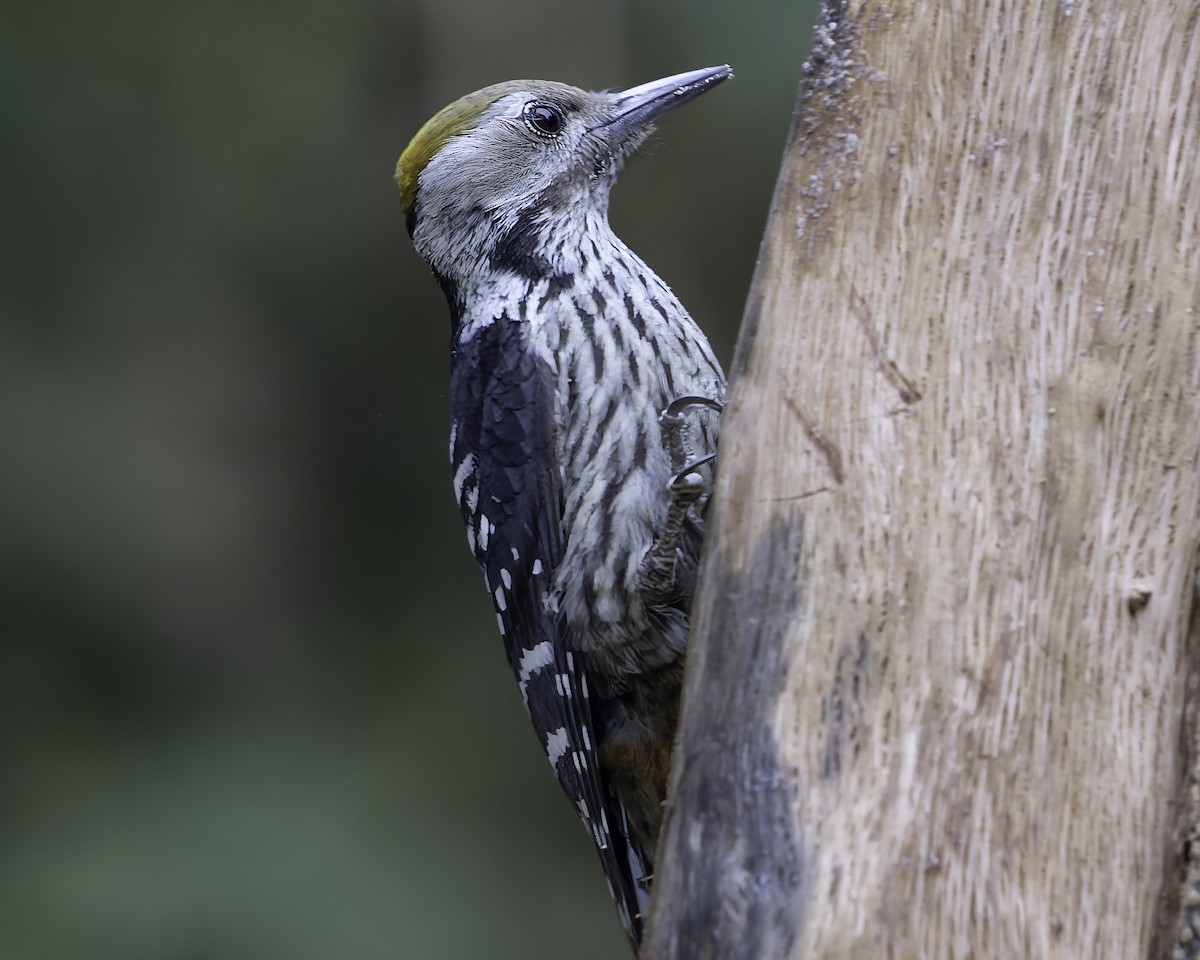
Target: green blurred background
<point>254,702</point>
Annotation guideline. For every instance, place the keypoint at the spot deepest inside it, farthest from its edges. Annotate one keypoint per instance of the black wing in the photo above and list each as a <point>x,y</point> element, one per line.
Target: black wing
<point>508,486</point>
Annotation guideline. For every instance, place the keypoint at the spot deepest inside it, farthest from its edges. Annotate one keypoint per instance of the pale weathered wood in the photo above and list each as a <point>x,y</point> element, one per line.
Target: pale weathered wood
<point>936,703</point>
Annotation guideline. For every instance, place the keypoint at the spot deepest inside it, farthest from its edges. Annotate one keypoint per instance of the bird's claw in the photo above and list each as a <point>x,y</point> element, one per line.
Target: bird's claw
<point>679,404</point>
<point>687,485</point>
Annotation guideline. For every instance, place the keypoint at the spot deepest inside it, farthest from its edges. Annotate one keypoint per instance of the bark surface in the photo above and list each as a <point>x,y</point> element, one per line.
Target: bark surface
<point>944,643</point>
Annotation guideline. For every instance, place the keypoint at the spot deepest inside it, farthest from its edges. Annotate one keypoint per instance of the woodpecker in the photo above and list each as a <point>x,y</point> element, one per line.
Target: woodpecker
<point>584,409</point>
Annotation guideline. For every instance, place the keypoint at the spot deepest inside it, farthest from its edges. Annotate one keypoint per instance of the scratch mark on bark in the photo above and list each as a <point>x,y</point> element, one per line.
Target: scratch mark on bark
<point>795,497</point>
<point>891,373</point>
<point>833,456</point>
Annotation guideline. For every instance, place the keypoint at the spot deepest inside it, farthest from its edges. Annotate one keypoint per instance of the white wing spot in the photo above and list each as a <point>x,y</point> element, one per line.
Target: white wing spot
<point>586,816</point>
<point>506,577</point>
<point>537,566</point>
<point>562,681</point>
<point>501,603</point>
<point>587,741</point>
<point>500,621</point>
<point>453,437</point>
<point>557,744</point>
<point>532,661</point>
<point>516,555</point>
<point>485,527</point>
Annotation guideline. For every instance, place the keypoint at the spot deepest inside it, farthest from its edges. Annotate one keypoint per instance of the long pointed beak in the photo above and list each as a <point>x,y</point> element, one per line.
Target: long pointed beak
<point>638,105</point>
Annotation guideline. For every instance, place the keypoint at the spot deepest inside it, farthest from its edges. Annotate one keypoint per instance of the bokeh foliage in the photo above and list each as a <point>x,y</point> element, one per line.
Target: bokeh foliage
<point>255,704</point>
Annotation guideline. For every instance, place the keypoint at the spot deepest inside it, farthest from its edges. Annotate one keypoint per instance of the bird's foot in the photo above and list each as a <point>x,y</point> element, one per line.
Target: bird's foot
<point>674,434</point>
<point>685,488</point>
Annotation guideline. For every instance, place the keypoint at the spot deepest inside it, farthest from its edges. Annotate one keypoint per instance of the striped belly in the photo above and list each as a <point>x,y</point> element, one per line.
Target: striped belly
<point>615,473</point>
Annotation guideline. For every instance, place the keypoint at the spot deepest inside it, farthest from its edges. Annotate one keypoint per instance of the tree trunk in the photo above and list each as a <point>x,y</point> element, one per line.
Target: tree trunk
<point>945,641</point>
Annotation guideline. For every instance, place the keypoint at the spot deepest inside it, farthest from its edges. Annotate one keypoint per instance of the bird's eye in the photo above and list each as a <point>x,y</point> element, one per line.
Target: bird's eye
<point>544,118</point>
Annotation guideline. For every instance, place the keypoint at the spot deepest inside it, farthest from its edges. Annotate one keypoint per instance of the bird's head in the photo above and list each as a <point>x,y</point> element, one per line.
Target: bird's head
<point>507,177</point>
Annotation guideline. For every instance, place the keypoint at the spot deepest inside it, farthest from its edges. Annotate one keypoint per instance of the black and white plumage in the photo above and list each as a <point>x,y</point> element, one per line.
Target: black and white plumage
<point>566,350</point>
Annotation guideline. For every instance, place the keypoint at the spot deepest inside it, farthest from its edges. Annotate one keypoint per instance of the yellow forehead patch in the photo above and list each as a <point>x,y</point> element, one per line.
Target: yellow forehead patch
<point>457,118</point>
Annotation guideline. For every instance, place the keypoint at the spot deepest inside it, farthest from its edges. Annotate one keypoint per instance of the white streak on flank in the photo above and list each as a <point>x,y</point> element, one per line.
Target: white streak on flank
<point>462,474</point>
<point>500,621</point>
<point>533,660</point>
<point>557,744</point>
<point>501,603</point>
